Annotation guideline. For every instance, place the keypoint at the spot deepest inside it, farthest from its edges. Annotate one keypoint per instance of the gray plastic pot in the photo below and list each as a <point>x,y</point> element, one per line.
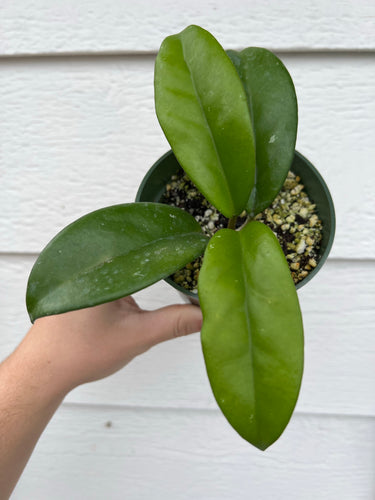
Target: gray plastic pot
<point>154,182</point>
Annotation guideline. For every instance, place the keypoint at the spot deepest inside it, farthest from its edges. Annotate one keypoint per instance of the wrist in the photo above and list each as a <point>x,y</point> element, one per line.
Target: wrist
<point>34,365</point>
<point>30,393</point>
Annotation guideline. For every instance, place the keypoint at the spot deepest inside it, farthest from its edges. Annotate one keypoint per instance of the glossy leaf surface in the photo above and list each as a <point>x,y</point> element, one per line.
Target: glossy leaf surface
<point>273,106</point>
<point>202,108</point>
<point>252,334</point>
<point>111,253</point>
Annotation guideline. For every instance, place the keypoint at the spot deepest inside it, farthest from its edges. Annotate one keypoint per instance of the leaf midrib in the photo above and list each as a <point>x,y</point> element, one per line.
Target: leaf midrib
<point>248,323</point>
<point>208,126</point>
<point>121,255</point>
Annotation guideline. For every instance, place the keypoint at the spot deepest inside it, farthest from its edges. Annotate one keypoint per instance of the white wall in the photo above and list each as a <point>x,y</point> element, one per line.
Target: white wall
<point>78,132</point>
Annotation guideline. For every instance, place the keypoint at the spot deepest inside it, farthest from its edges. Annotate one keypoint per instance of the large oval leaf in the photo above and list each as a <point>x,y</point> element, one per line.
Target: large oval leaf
<point>201,106</point>
<point>273,106</point>
<point>252,334</point>
<point>111,253</point>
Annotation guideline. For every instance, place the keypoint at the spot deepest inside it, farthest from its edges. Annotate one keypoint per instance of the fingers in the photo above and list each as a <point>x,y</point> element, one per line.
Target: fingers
<point>170,322</point>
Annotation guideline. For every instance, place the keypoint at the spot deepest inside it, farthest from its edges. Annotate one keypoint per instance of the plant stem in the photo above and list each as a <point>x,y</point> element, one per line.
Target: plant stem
<point>232,222</point>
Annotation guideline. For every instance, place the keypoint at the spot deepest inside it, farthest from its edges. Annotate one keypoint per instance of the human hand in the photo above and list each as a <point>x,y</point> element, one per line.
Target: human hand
<point>63,351</point>
<point>89,344</point>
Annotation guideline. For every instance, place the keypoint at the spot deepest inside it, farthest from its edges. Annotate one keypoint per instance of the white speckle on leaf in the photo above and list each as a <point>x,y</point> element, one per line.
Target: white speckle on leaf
<point>272,139</point>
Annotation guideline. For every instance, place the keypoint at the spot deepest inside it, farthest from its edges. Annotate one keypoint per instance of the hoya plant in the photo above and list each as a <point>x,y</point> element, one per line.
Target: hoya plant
<point>231,121</point>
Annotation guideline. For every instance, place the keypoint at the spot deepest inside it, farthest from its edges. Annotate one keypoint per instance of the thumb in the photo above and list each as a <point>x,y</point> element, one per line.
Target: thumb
<point>170,322</point>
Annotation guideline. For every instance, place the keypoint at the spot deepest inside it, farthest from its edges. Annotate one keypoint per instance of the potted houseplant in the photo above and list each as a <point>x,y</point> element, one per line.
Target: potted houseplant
<point>231,120</point>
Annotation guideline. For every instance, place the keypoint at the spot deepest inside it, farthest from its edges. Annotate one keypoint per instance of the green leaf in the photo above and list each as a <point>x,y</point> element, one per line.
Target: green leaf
<point>111,253</point>
<point>252,334</point>
<point>201,106</point>
<point>273,106</point>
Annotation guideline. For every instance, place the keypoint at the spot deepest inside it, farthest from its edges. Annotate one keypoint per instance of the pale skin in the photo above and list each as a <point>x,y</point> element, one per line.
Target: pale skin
<point>64,351</point>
